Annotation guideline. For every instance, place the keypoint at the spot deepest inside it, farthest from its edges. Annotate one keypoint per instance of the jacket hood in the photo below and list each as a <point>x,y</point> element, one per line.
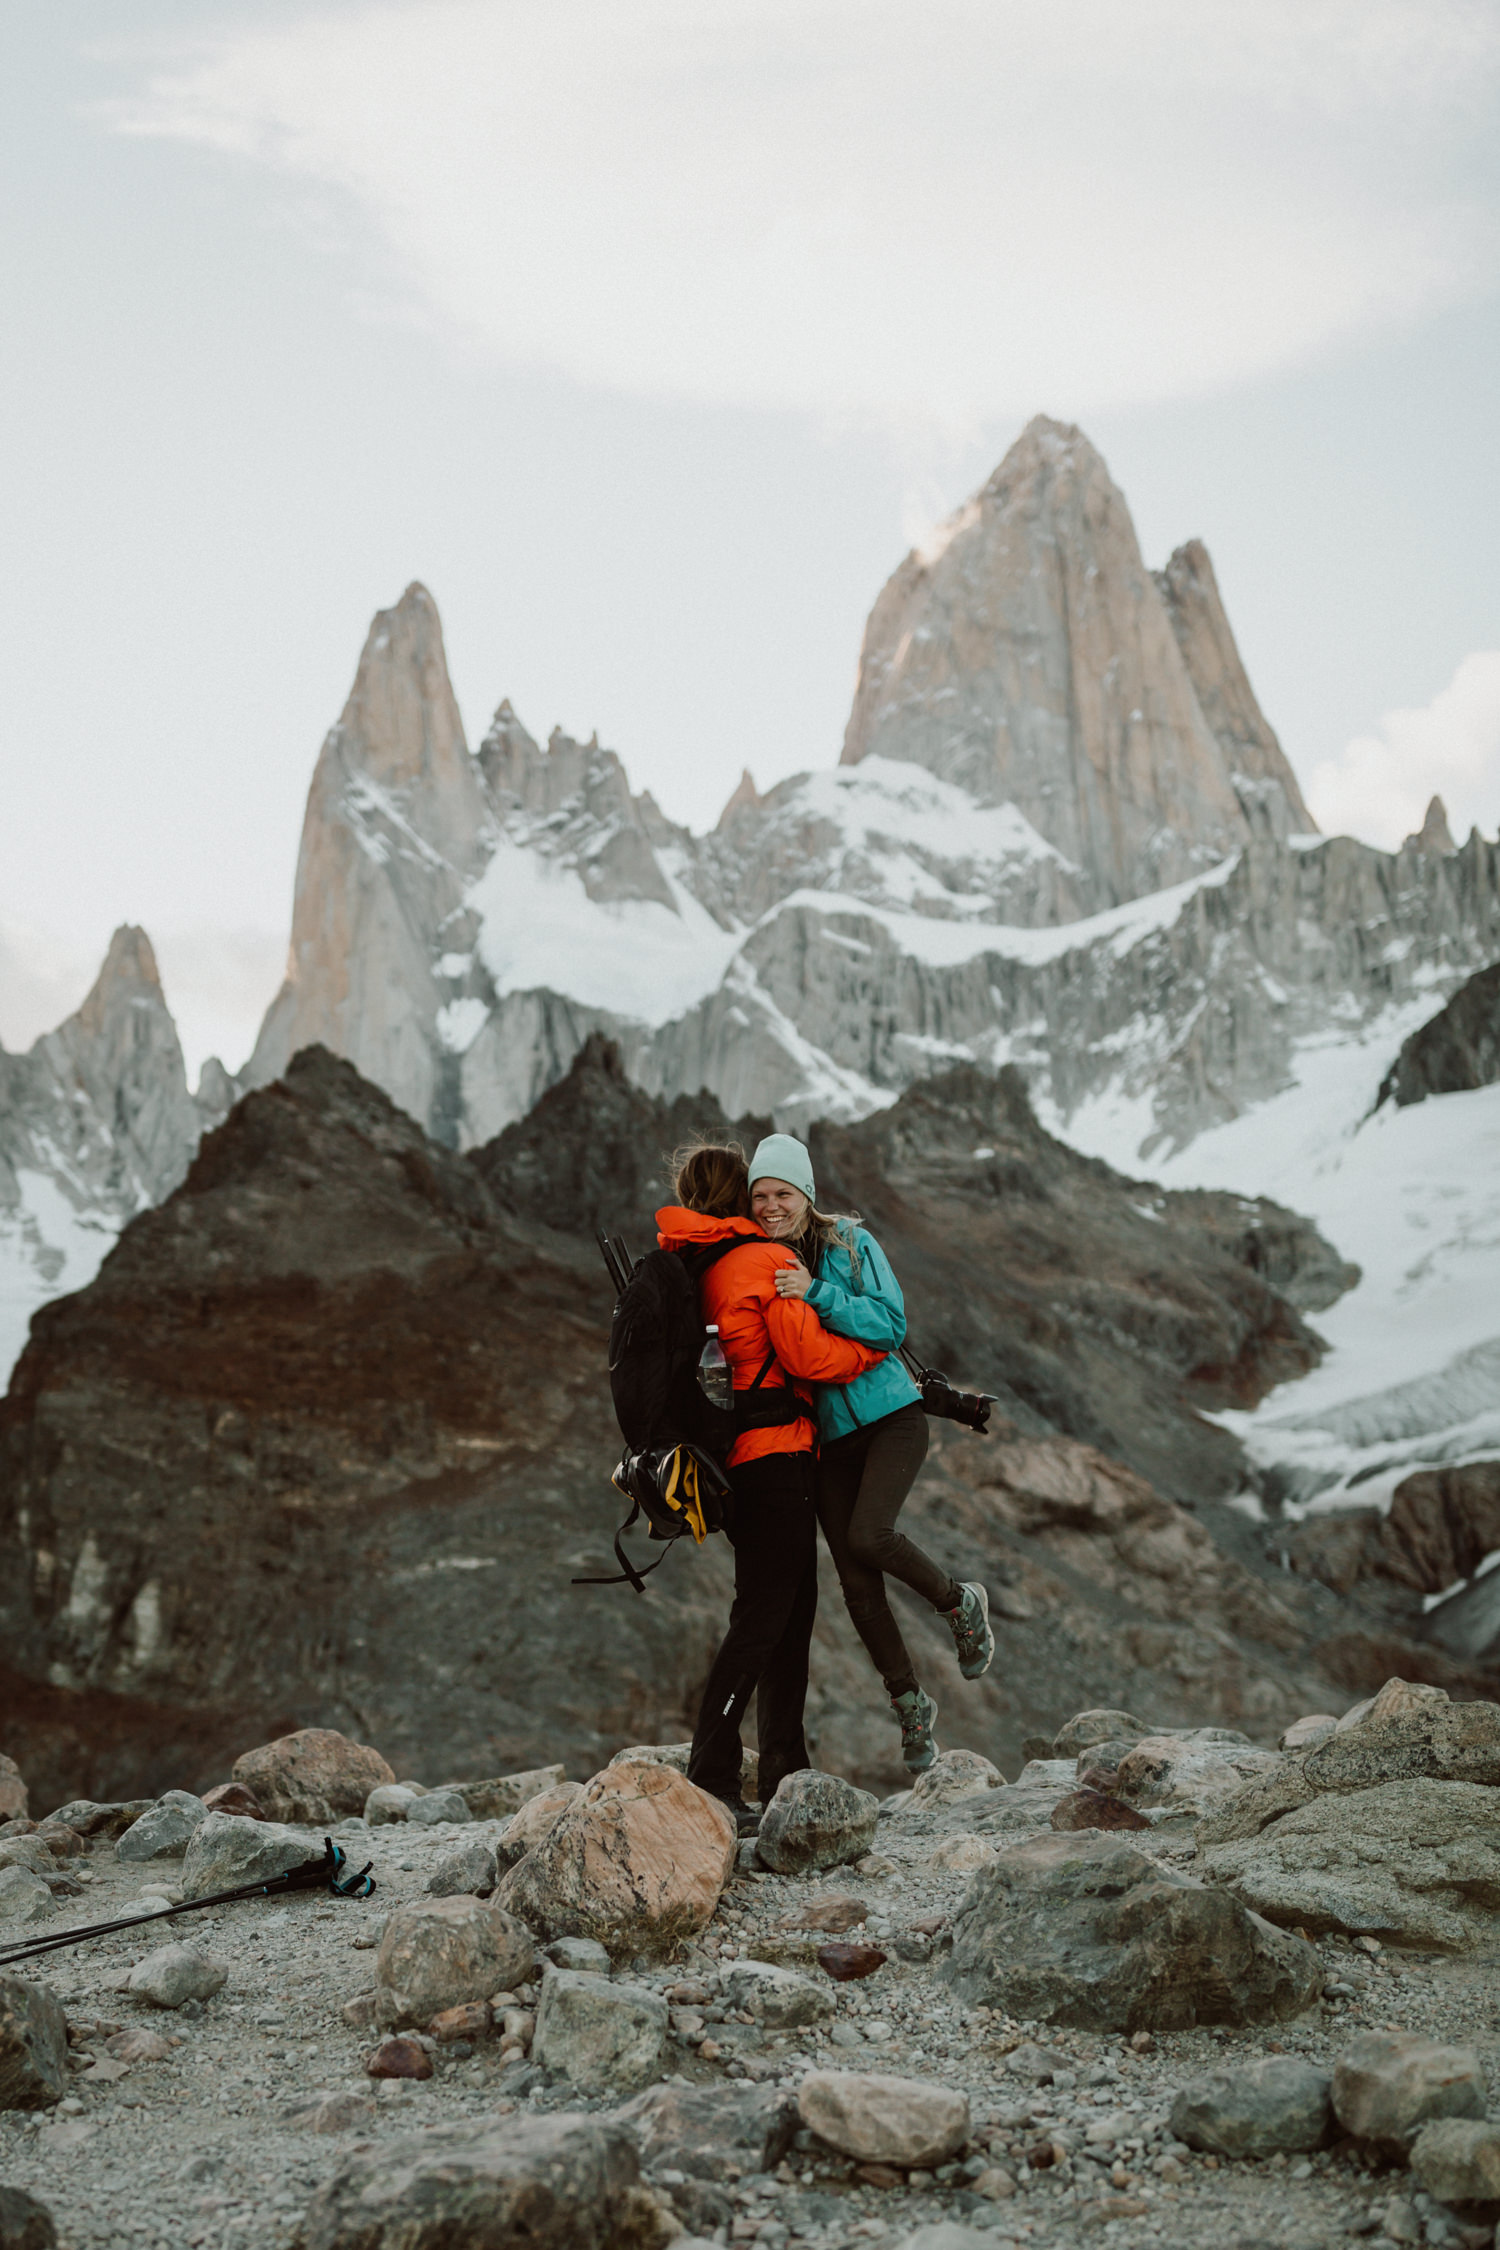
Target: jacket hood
<point>692,1230</point>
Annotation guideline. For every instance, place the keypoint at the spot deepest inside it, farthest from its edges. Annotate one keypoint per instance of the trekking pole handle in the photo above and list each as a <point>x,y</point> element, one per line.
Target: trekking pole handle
<point>611,1259</point>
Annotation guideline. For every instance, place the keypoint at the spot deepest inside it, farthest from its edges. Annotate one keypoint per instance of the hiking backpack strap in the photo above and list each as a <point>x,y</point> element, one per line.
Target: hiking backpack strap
<point>629,1575</point>
<point>757,1409</point>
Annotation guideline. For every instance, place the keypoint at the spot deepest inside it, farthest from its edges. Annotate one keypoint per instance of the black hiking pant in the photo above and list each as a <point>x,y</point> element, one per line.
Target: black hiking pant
<point>863,1480</point>
<point>773,1529</point>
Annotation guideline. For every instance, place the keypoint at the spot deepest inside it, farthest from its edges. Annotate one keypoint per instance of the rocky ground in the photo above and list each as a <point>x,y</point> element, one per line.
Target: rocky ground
<point>248,2117</point>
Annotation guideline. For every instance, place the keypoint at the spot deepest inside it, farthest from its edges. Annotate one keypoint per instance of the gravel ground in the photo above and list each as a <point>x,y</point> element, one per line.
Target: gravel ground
<point>199,2149</point>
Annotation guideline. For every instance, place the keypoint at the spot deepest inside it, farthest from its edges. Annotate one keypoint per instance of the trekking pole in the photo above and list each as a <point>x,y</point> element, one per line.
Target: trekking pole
<point>611,1256</point>
<point>311,1875</point>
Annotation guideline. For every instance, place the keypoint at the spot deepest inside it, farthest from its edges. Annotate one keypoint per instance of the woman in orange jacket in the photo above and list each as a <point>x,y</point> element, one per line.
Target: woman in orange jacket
<point>772,1344</point>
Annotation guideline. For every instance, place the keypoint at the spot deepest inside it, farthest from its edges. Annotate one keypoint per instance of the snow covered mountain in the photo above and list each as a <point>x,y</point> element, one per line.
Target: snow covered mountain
<point>1028,655</point>
<point>96,1123</point>
<point>1062,833</point>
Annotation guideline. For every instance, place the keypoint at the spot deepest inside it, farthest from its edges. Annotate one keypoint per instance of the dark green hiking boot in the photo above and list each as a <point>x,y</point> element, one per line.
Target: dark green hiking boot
<point>918,1714</point>
<point>972,1637</point>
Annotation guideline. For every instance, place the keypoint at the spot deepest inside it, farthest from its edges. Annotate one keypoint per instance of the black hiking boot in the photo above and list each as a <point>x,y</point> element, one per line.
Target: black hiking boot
<point>746,1818</point>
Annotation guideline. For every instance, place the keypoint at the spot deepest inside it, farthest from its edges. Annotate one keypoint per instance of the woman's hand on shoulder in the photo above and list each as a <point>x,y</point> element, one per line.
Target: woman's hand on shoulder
<point>793,1279</point>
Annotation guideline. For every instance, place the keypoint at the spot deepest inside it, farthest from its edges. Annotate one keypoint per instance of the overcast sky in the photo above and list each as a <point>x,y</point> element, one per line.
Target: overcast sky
<point>649,333</point>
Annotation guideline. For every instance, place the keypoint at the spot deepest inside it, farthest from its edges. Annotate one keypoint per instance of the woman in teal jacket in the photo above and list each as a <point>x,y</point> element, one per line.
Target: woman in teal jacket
<point>874,1438</point>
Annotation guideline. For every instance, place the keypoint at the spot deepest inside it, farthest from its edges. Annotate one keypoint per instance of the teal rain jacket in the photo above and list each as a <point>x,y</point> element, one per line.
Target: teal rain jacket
<point>855,1294</point>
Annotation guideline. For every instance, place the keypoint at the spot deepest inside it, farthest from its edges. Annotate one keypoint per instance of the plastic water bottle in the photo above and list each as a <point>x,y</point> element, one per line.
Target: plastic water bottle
<point>714,1378</point>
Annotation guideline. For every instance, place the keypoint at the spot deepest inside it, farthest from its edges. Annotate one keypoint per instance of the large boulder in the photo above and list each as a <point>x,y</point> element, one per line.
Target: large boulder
<point>953,1776</point>
<point>1457,2159</point>
<point>438,1952</point>
<point>33,2045</point>
<point>62,1841</point>
<point>13,1796</point>
<point>1096,1808</point>
<point>880,2120</point>
<point>1266,1797</point>
<point>1011,1814</point>
<point>1409,1863</point>
<point>24,1897</point>
<point>577,1953</point>
<point>778,1998</point>
<point>536,1819</point>
<point>31,1852</point>
<point>1254,2108</point>
<point>1387,2084</point>
<point>25,2224</point>
<point>1408,1732</point>
<point>1189,1773</point>
<point>1084,1930</point>
<point>174,1974</point>
<point>638,1860</point>
<point>1088,1728</point>
<point>552,2183</point>
<point>226,1850</point>
<point>435,1807</point>
<point>676,1755</point>
<point>166,1830</point>
<point>1307,1733</point>
<point>713,2132</point>
<point>314,1776</point>
<point>88,1819</point>
<point>816,1820</point>
<point>603,2037</point>
<point>234,1797</point>
<point>392,1801</point>
<point>469,1868</point>
<point>506,1793</point>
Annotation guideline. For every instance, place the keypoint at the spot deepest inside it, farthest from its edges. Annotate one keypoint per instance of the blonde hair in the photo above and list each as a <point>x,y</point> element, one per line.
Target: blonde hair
<point>712,1177</point>
<point>833,1230</point>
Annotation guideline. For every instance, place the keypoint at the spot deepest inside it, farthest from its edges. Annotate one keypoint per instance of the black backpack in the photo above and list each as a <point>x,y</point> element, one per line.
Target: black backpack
<point>655,1341</point>
<point>676,1442</point>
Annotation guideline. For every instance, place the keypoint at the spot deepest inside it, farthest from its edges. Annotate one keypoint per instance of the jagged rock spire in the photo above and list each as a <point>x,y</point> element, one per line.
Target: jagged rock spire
<point>98,1109</point>
<point>1190,590</point>
<point>1434,837</point>
<point>1028,654</point>
<point>394,830</point>
<point>744,795</point>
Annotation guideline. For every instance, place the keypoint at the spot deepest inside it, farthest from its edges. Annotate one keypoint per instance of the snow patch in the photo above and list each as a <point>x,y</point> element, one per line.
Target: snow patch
<point>1412,1197</point>
<point>47,1248</point>
<point>943,944</point>
<point>636,958</point>
<point>902,838</point>
<point>460,1022</point>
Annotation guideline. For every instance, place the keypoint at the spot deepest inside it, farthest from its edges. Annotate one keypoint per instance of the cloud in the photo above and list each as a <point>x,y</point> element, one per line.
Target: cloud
<point>860,209</point>
<point>218,985</point>
<point>1379,788</point>
<point>42,979</point>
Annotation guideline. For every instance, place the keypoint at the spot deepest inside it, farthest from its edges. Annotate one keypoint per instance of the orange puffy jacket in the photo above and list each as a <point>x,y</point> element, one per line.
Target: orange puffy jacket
<point>739,1293</point>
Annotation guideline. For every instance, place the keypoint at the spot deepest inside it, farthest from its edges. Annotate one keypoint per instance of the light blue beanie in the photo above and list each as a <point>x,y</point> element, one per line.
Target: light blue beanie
<point>779,1157</point>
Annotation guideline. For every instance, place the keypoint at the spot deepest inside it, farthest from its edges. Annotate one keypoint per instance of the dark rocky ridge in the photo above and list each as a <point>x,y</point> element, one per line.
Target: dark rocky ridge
<point>1441,1526</point>
<point>1456,1051</point>
<point>328,1436</point>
